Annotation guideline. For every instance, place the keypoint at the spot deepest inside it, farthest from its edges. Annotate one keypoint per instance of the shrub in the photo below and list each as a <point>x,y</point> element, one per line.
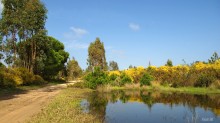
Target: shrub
<point>26,76</point>
<point>146,79</point>
<point>215,84</point>
<point>1,65</point>
<point>38,80</point>
<point>124,79</point>
<point>98,77</point>
<point>204,80</point>
<point>113,77</point>
<point>10,78</point>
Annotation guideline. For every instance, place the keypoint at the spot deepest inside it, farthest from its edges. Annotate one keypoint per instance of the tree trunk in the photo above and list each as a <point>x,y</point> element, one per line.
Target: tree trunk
<point>14,46</point>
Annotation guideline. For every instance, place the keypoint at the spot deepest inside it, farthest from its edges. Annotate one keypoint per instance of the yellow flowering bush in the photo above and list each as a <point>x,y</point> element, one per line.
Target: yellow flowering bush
<point>198,74</point>
<point>135,73</point>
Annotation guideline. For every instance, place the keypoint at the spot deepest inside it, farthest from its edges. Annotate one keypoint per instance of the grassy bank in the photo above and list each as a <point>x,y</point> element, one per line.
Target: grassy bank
<point>65,108</point>
<point>160,88</point>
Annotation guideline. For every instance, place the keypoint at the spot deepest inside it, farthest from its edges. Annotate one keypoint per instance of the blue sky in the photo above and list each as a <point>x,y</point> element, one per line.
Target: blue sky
<point>135,32</point>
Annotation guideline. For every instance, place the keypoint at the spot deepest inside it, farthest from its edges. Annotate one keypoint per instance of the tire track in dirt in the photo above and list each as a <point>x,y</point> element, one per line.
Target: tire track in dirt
<point>22,107</point>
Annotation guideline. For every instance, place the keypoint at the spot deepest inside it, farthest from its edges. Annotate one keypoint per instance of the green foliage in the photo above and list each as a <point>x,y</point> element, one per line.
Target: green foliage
<point>214,58</point>
<point>21,20</point>
<point>113,77</point>
<point>146,79</point>
<point>125,79</point>
<point>56,58</point>
<point>169,63</point>
<point>38,80</point>
<point>29,78</point>
<point>1,65</point>
<point>73,70</point>
<point>204,80</point>
<point>98,77</point>
<point>113,65</point>
<point>96,55</point>
<point>12,77</point>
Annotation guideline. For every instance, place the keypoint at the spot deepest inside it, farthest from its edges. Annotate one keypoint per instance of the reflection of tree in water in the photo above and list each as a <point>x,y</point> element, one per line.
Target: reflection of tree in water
<point>98,101</point>
<point>147,99</point>
<point>97,104</point>
<point>124,97</point>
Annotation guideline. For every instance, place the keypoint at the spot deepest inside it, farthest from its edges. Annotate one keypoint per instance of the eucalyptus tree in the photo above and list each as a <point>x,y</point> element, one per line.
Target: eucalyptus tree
<point>96,55</point>
<point>73,69</point>
<point>113,65</point>
<point>22,21</point>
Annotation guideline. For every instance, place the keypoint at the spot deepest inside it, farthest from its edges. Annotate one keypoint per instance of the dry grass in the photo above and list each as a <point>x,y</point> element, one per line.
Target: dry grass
<point>65,108</point>
<point>131,86</point>
<point>215,85</point>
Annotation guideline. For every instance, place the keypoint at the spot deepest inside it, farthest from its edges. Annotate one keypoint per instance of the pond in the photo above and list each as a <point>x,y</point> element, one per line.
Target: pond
<point>153,107</point>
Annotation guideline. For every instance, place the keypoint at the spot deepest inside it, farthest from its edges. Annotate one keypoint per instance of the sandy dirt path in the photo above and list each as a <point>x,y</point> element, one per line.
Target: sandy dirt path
<point>21,107</point>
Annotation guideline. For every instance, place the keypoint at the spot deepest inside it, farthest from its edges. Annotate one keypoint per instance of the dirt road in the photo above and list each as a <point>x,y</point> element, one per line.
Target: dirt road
<point>19,108</point>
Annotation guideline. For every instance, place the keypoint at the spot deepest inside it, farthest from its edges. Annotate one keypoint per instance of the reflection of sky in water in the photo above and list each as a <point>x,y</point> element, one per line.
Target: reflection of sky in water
<point>136,112</point>
<point>85,106</point>
<point>148,107</point>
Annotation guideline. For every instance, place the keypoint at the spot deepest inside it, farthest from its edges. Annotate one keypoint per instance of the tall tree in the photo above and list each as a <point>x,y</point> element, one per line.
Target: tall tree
<point>22,20</point>
<point>113,65</point>
<point>169,63</point>
<point>130,66</point>
<point>56,57</point>
<point>96,55</point>
<point>73,70</point>
<point>214,57</point>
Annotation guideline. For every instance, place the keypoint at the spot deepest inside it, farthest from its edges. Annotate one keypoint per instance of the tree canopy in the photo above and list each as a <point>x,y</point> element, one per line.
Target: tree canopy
<point>113,65</point>
<point>23,21</point>
<point>56,57</point>
<point>169,63</point>
<point>73,69</point>
<point>214,58</point>
<point>96,55</point>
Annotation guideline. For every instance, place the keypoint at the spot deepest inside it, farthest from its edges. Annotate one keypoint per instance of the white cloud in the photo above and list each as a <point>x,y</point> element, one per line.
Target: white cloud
<point>79,32</point>
<point>75,33</point>
<point>74,38</point>
<point>134,27</point>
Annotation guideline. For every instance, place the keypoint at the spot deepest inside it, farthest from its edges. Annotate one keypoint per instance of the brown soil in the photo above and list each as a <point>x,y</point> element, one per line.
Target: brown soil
<point>21,107</point>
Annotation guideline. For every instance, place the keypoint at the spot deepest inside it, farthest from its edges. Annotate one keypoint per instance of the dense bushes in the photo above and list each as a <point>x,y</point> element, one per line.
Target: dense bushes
<point>10,77</point>
<point>124,79</point>
<point>198,75</point>
<point>146,79</point>
<point>204,80</point>
<point>98,77</point>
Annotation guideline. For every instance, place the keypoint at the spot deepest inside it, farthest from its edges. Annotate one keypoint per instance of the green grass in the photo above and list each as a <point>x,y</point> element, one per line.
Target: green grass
<point>65,108</point>
<point>192,90</point>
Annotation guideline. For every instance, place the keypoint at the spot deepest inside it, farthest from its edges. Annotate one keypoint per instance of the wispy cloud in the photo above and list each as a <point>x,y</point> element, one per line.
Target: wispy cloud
<point>74,38</point>
<point>134,27</point>
<point>79,32</point>
<point>75,33</point>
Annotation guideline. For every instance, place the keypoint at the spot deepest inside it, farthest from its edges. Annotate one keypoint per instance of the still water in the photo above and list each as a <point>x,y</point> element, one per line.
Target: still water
<point>153,107</point>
